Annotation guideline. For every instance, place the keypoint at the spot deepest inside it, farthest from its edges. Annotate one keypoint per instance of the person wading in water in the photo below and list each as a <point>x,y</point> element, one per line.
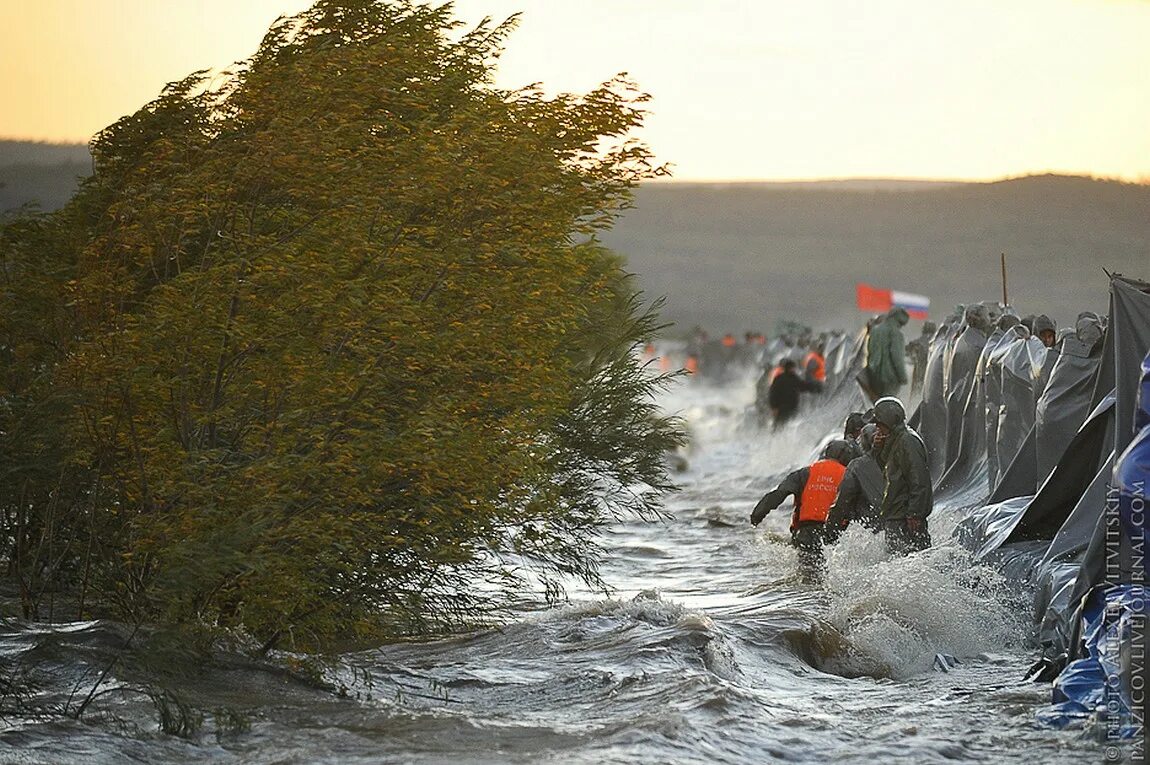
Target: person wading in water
<point>814,488</point>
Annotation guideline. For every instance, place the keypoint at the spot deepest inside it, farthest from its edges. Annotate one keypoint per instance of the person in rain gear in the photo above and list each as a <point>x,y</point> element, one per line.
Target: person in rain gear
<point>860,492</point>
<point>907,494</point>
<point>1045,330</point>
<point>783,395</point>
<point>885,370</point>
<point>814,488</point>
<point>961,370</point>
<point>852,431</point>
<point>815,365</point>
<point>917,350</point>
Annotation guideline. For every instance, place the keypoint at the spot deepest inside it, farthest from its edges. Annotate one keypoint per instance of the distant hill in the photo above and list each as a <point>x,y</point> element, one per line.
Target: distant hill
<point>734,257</point>
<point>740,256</point>
<point>42,174</point>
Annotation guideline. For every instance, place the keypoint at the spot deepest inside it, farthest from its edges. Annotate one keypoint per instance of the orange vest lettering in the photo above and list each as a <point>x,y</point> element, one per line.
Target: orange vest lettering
<point>820,365</point>
<point>821,489</point>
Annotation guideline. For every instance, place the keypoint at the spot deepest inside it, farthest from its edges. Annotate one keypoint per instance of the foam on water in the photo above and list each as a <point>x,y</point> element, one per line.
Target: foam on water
<point>897,613</point>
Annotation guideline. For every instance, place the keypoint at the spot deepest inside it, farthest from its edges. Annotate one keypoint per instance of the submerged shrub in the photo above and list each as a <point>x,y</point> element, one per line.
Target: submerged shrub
<point>329,348</point>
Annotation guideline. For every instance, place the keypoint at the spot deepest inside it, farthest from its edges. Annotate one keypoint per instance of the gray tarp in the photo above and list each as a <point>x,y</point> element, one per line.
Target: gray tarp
<point>960,380</point>
<point>1065,403</point>
<point>985,528</point>
<point>1130,329</point>
<point>1054,607</point>
<point>1073,536</point>
<point>1021,477</point>
<point>837,357</point>
<point>972,442</point>
<point>1020,368</point>
<point>994,385</point>
<point>1085,453</point>
<point>1128,342</point>
<point>932,412</point>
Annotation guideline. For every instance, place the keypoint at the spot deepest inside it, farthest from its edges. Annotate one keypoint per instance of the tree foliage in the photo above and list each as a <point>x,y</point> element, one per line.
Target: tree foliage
<point>329,346</point>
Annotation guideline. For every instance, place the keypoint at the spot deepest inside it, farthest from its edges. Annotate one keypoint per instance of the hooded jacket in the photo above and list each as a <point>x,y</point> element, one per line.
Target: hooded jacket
<point>886,354</point>
<point>860,494</point>
<point>908,492</point>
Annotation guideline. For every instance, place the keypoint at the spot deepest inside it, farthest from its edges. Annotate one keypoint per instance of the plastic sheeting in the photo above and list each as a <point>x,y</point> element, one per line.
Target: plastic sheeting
<point>931,423</point>
<point>1020,368</point>
<point>1021,477</point>
<point>1074,535</point>
<point>986,528</point>
<point>1102,681</point>
<point>975,422</point>
<point>1085,453</point>
<point>1040,517</point>
<point>961,372</point>
<point>1130,329</point>
<point>1130,325</point>
<point>1065,402</point>
<point>1053,607</point>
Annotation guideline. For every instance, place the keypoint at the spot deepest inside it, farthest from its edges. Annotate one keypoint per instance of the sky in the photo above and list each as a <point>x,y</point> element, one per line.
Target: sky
<point>741,90</point>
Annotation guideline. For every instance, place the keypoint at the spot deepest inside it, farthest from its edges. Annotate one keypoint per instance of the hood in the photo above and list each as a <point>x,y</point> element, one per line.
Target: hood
<point>1088,328</point>
<point>1043,322</point>
<point>899,314</point>
<point>978,316</point>
<point>993,310</point>
<point>1008,320</point>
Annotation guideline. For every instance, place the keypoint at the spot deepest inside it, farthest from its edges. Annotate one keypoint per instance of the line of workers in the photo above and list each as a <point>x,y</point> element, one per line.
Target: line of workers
<point>876,475</point>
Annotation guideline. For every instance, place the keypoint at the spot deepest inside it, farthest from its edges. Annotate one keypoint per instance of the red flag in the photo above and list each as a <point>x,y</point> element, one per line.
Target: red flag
<point>872,300</point>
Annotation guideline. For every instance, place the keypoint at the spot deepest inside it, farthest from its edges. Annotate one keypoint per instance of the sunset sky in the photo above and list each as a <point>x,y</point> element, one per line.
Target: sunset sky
<point>754,89</point>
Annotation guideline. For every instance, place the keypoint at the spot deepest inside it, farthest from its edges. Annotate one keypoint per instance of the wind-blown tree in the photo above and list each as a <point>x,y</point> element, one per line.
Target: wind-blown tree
<point>342,353</point>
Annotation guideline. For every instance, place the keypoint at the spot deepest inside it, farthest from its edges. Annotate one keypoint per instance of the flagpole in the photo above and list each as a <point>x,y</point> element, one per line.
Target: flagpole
<point>1005,301</point>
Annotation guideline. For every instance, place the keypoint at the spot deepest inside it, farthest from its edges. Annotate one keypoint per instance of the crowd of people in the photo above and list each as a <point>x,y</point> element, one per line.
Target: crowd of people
<point>876,475</point>
<point>883,472</point>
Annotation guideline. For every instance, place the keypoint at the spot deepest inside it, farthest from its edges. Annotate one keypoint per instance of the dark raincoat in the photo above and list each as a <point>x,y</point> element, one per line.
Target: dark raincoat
<point>886,354</point>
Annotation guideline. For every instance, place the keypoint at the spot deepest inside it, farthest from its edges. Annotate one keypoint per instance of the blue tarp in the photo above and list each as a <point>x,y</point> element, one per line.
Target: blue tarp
<point>1099,685</point>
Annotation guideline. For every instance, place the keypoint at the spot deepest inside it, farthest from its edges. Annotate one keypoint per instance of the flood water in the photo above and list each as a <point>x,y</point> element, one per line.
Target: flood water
<point>708,650</point>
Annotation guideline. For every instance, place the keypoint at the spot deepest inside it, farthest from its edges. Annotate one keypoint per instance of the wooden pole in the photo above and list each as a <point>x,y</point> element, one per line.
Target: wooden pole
<point>1005,301</point>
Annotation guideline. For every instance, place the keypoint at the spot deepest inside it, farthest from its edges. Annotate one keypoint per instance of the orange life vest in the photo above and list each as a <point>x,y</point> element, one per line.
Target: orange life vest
<point>821,489</point>
<point>692,365</point>
<point>820,365</point>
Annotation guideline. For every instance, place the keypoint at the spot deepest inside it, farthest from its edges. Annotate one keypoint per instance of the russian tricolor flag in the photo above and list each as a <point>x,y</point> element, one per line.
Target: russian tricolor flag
<point>875,300</point>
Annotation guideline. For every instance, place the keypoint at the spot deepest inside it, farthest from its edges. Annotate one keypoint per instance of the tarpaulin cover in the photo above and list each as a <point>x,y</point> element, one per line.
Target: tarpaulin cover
<point>932,418</point>
<point>1085,453</point>
<point>992,395</point>
<point>1130,325</point>
<point>986,528</point>
<point>1064,404</point>
<point>1021,477</point>
<point>1053,606</point>
<point>1018,562</point>
<point>972,427</point>
<point>960,379</point>
<point>1019,368</point>
<point>1111,619</point>
<point>1130,328</point>
<point>1075,534</point>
